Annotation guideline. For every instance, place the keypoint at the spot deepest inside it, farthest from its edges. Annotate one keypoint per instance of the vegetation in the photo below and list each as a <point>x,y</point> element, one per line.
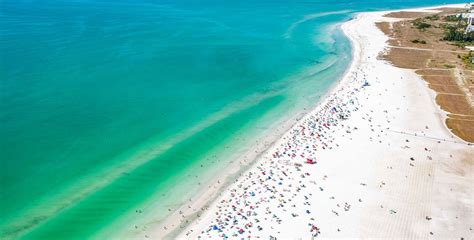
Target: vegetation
<point>449,66</point>
<point>433,17</point>
<point>420,24</point>
<point>457,34</point>
<point>418,41</point>
<point>468,59</point>
<point>453,18</point>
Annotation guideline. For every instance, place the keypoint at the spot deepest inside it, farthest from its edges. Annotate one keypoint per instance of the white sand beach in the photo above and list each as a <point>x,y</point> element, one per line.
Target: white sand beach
<point>384,164</point>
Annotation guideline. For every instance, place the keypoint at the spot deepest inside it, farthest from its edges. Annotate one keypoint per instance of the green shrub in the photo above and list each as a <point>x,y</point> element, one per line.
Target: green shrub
<point>453,18</point>
<point>419,24</point>
<point>433,18</point>
<point>467,59</point>
<point>456,33</point>
<point>449,66</point>
<point>418,41</point>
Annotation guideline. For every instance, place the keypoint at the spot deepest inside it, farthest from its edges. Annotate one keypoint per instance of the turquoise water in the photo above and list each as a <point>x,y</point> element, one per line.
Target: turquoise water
<point>112,106</point>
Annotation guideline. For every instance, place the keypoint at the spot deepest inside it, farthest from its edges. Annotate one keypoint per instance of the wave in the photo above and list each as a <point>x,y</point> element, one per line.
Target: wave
<point>289,32</point>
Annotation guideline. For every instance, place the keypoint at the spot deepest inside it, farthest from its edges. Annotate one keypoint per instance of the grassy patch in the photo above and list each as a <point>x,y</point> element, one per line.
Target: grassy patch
<point>449,66</point>
<point>433,17</point>
<point>420,24</point>
<point>467,59</point>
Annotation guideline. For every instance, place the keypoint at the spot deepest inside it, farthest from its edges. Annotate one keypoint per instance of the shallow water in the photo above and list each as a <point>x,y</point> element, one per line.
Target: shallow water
<point>109,107</point>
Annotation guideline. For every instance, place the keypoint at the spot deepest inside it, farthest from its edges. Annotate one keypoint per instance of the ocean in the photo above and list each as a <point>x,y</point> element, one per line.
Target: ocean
<point>113,112</point>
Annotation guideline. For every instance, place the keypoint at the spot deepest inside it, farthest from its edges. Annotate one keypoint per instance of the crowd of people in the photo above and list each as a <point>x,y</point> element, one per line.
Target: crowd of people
<point>286,172</point>
<point>292,187</point>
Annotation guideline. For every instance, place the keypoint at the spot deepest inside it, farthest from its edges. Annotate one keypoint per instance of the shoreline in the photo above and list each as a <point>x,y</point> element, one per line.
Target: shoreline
<point>324,98</point>
<point>206,196</point>
<point>345,80</point>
